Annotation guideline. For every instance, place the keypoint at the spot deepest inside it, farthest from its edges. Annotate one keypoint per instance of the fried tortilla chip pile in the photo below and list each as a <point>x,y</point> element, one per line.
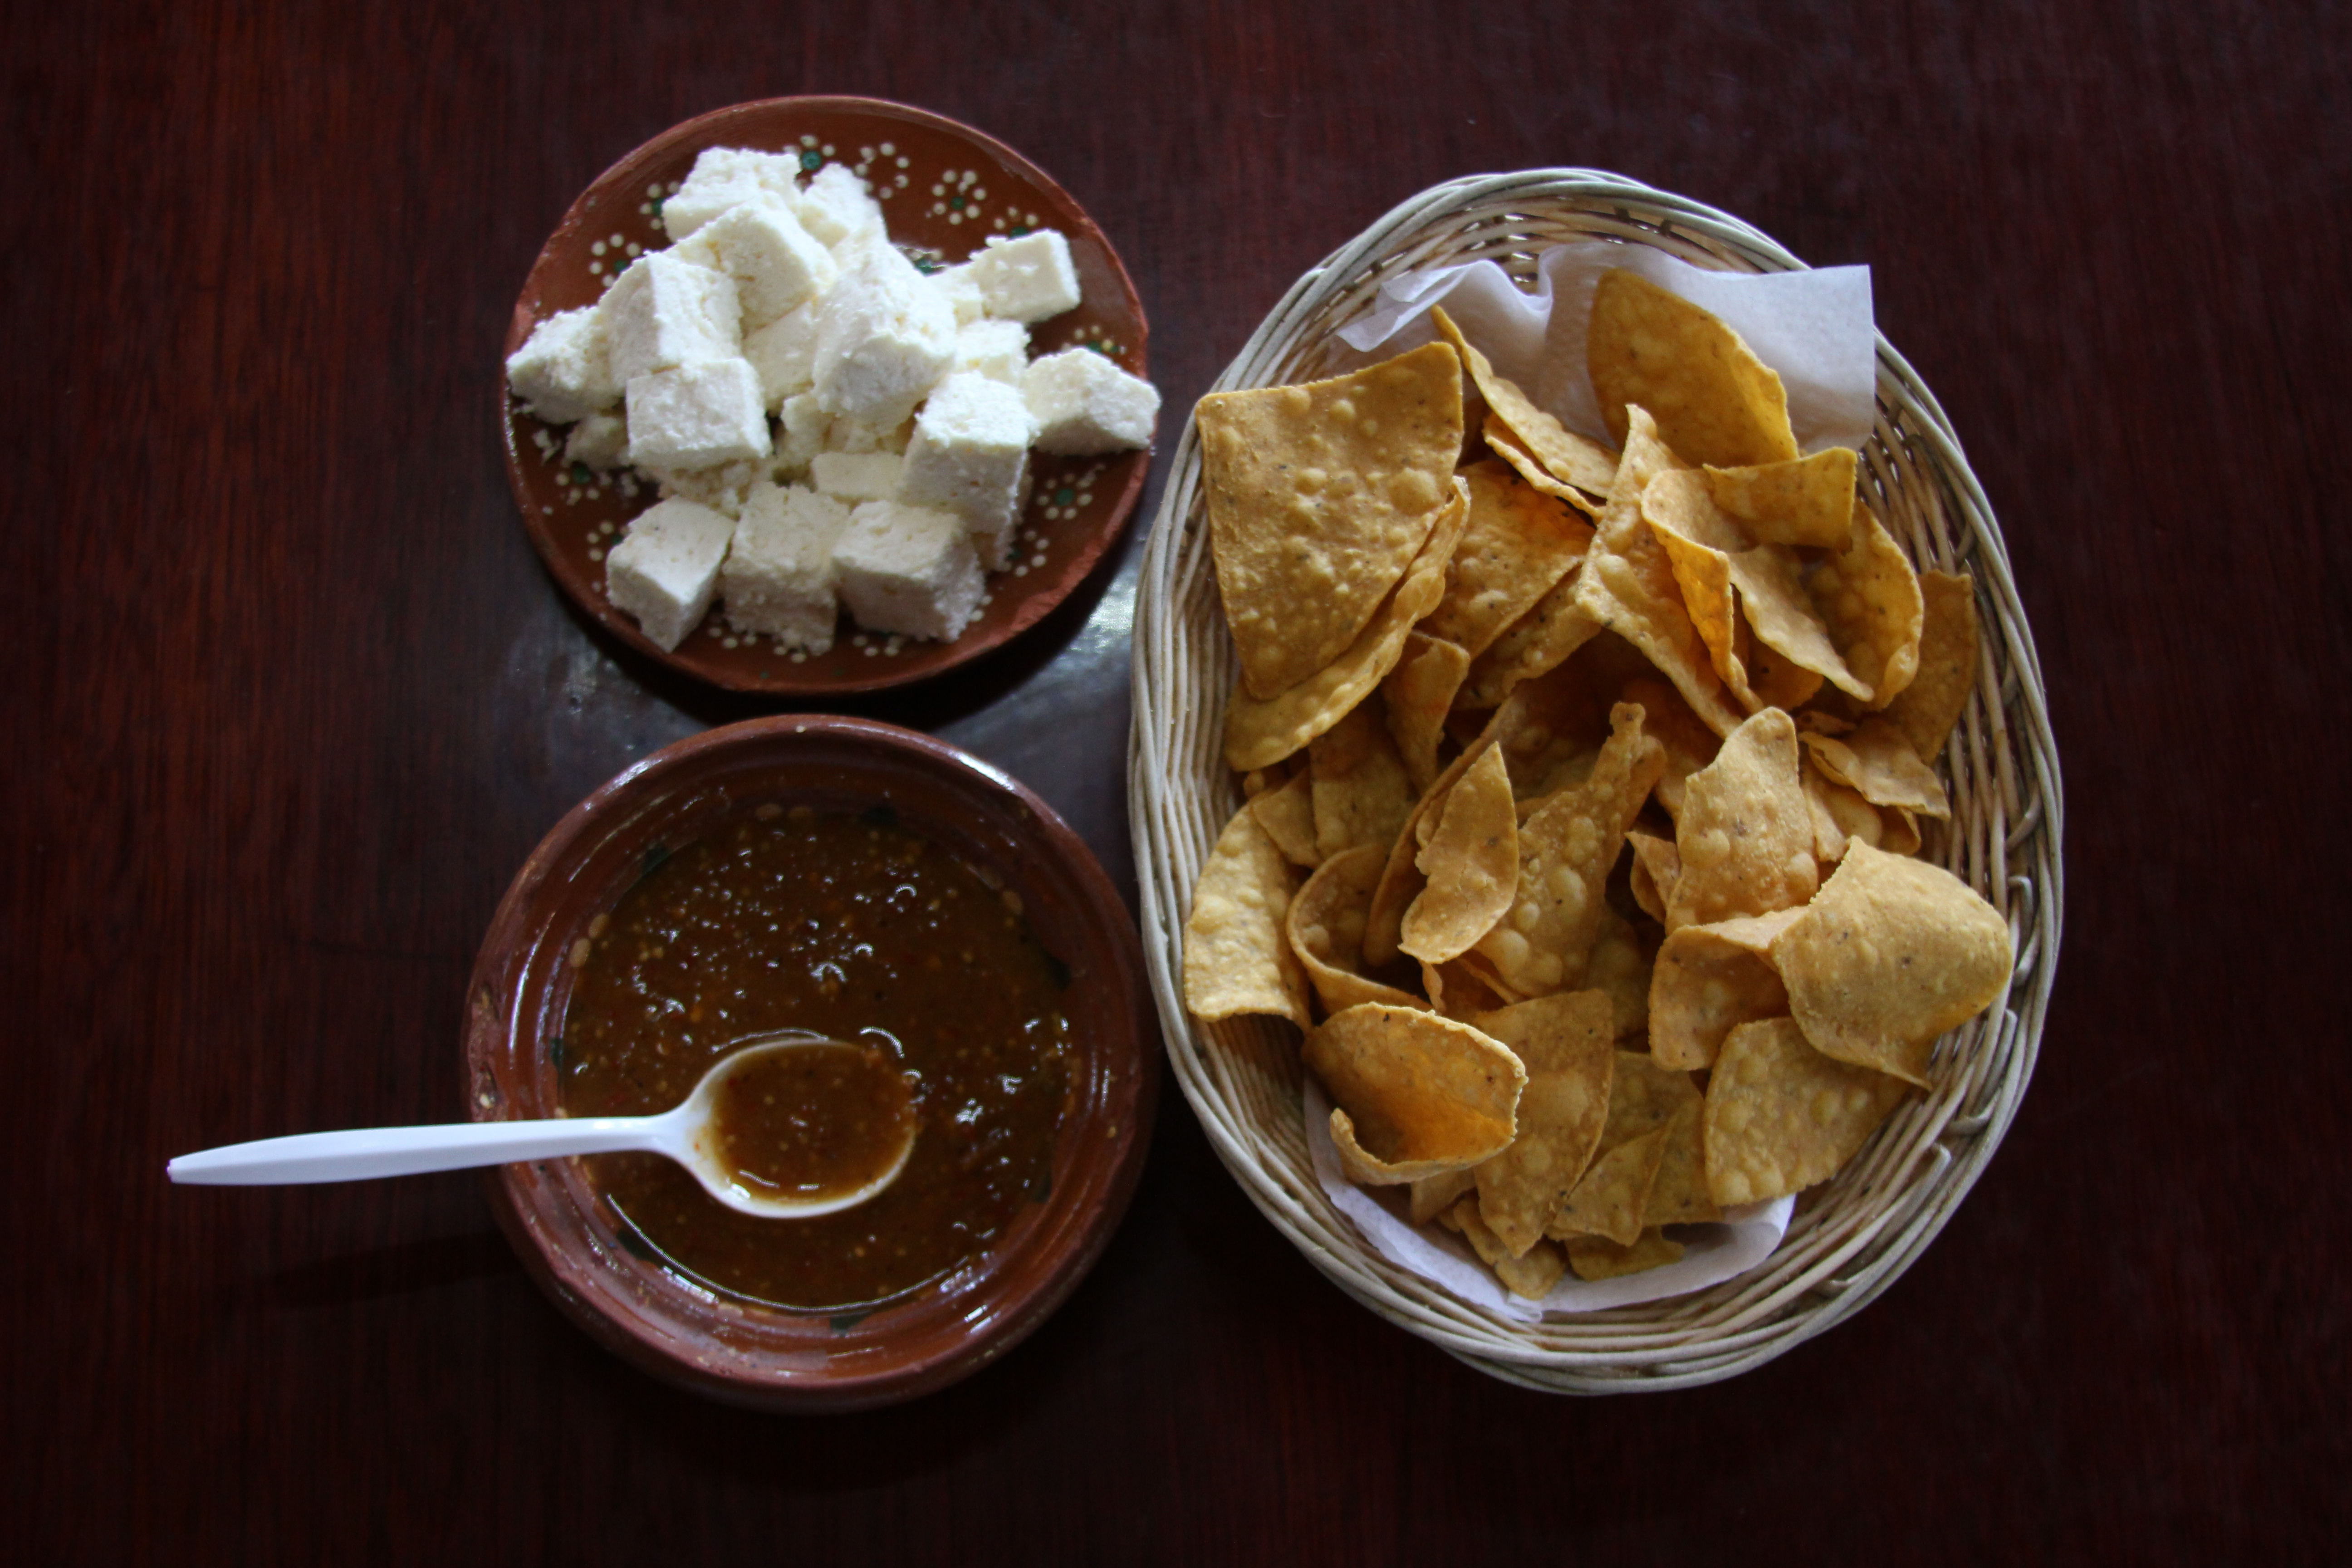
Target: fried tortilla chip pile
<point>1583,788</point>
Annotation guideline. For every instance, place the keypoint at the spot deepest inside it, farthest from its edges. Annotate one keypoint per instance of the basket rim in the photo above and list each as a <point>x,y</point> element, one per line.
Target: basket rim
<point>1624,1357</point>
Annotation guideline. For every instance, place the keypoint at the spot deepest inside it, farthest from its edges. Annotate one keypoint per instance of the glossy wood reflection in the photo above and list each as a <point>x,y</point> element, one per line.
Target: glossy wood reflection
<point>293,698</point>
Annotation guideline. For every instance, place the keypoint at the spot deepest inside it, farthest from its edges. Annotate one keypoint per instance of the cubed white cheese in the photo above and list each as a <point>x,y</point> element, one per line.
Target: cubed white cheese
<point>1028,279</point>
<point>666,312</point>
<point>835,205</point>
<point>564,369</point>
<point>969,455</point>
<point>778,579</point>
<point>665,568</point>
<point>725,177</point>
<point>908,570</point>
<point>801,427</point>
<point>601,441</point>
<point>850,434</point>
<point>1083,403</point>
<point>697,414</point>
<point>857,476</point>
<point>784,353</point>
<point>774,262</point>
<point>961,288</point>
<point>721,489</point>
<point>998,349</point>
<point>884,337</point>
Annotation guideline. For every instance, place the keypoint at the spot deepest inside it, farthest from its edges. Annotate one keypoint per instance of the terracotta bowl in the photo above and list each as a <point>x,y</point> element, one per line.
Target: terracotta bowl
<point>982,187</point>
<point>750,1355</point>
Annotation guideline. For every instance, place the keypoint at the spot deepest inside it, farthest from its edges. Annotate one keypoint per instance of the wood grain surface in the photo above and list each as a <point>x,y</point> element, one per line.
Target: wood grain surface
<point>293,699</point>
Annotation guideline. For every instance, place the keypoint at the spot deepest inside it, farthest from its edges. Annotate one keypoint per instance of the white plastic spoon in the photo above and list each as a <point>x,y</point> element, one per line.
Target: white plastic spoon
<point>688,1134</point>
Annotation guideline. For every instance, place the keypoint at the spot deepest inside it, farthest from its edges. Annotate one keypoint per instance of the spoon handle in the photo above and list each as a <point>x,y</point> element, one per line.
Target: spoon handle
<point>407,1150</point>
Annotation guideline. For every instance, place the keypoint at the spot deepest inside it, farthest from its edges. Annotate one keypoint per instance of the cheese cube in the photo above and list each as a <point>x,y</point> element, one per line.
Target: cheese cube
<point>850,434</point>
<point>774,262</point>
<point>778,579</point>
<point>601,441</point>
<point>998,349</point>
<point>666,312</point>
<point>961,288</point>
<point>801,427</point>
<point>969,455</point>
<point>564,369</point>
<point>1083,403</point>
<point>697,414</point>
<point>857,476</point>
<point>721,488</point>
<point>1028,279</point>
<point>725,177</point>
<point>908,570</point>
<point>836,205</point>
<point>883,337</point>
<point>665,568</point>
<point>784,353</point>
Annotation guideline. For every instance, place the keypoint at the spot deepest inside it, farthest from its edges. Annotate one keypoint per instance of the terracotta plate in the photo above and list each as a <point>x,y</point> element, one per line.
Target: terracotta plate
<point>946,189</point>
<point>740,1351</point>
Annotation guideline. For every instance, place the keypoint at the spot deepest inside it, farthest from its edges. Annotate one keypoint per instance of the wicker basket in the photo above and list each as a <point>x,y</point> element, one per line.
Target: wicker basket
<point>1855,1234</point>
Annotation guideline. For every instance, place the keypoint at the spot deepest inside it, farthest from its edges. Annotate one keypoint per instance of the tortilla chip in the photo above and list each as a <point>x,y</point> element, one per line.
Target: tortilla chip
<point>1779,610</point>
<point>1235,957</point>
<point>1745,835</point>
<point>1620,965</point>
<point>1259,733</point>
<point>1433,1195</point>
<point>1643,1096</point>
<point>1362,792</point>
<point>1890,954</point>
<point>1628,583</point>
<point>1470,866</point>
<point>1416,1095</point>
<point>1462,993</point>
<point>1320,496</point>
<point>1539,641</point>
<point>1598,1258</point>
<point>1576,459</point>
<point>1566,1044</point>
<point>1565,854</point>
<point>1806,501</point>
<point>1506,445</point>
<point>1839,814</point>
<point>1517,543</point>
<point>1877,762</point>
<point>1690,744</point>
<point>1418,694</point>
<point>1532,1276</point>
<point>1714,400</point>
<point>1655,866</point>
<point>1704,985</point>
<point>1326,932</point>
<point>1939,694</point>
<point>1780,1116</point>
<point>1287,814</point>
<point>1869,599</point>
<point>1610,1198</point>
<point>1679,1196</point>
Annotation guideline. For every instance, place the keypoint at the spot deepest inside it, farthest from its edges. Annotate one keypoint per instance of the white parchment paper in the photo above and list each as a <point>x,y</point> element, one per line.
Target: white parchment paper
<point>1814,328</point>
<point>1711,1253</point>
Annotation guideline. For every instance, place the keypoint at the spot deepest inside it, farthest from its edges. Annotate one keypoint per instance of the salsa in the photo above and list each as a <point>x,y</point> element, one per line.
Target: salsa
<point>854,927</point>
<point>812,1122</point>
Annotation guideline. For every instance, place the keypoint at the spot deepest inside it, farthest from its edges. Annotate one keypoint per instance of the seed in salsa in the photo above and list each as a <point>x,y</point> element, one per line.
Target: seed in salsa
<point>852,928</point>
<point>812,1122</point>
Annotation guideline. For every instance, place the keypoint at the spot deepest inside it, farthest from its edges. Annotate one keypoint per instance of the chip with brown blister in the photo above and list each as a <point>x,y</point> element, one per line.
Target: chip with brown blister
<point>1418,694</point>
<point>1236,957</point>
<point>1877,762</point>
<point>1596,1258</point>
<point>1714,400</point>
<point>1415,1094</point>
<point>1705,984</point>
<point>1287,814</point>
<point>1470,867</point>
<point>1780,1116</point>
<point>1516,544</point>
<point>1570,458</point>
<point>1890,954</point>
<point>1808,500</point>
<point>1326,930</point>
<point>1320,496</point>
<point>1926,709</point>
<point>1259,733</point>
<point>1362,792</point>
<point>1745,835</point>
<point>1565,853</point>
<point>1566,1043</point>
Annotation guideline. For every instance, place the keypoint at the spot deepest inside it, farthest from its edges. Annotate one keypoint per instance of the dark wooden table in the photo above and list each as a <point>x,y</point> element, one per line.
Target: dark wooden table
<point>292,699</point>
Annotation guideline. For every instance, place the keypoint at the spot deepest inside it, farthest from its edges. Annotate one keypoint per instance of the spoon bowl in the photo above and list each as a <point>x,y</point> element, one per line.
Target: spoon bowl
<point>823,1149</point>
